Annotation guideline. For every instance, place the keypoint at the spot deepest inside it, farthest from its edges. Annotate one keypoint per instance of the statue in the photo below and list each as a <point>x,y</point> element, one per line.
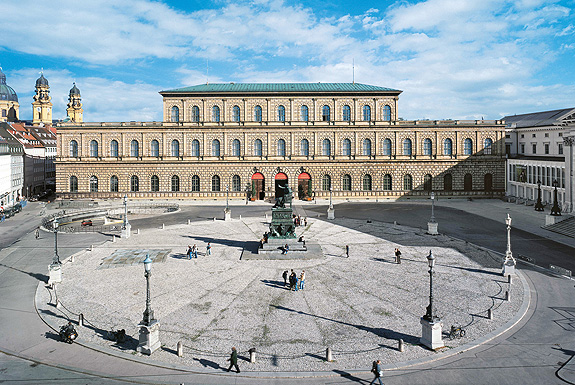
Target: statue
<point>282,226</point>
<point>286,198</point>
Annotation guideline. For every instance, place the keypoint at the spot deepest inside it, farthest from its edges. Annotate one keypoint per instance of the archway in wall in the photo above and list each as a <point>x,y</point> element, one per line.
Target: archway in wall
<point>281,181</point>
<point>258,186</point>
<point>304,190</point>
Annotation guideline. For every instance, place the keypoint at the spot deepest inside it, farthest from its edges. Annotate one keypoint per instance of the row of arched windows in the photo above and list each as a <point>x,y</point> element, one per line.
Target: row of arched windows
<point>281,113</point>
<point>281,147</point>
<point>326,183</point>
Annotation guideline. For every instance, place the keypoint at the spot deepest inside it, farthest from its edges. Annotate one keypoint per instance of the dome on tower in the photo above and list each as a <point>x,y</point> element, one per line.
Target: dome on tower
<point>75,91</point>
<point>42,81</point>
<point>6,92</point>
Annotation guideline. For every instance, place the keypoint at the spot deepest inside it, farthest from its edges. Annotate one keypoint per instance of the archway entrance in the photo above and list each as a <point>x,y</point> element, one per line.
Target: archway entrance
<point>304,186</point>
<point>281,181</point>
<point>258,186</point>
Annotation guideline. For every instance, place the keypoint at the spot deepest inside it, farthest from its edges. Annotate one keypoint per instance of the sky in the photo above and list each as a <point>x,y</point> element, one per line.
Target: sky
<point>453,59</point>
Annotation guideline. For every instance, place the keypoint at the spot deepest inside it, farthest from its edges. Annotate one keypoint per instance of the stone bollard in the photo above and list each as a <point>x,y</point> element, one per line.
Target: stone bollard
<point>400,345</point>
<point>214,219</point>
<point>180,349</point>
<point>58,304</point>
<point>113,238</point>
<point>189,222</point>
<point>163,226</point>
<point>395,223</point>
<point>240,216</point>
<point>507,296</point>
<point>91,247</point>
<point>328,355</point>
<point>72,258</point>
<point>137,231</point>
<point>489,314</point>
<point>266,216</point>
<point>509,279</point>
<point>252,352</point>
<point>81,319</point>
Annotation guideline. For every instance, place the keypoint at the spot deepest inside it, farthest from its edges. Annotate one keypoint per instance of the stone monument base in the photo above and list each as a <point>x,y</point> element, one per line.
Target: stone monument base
<point>149,340</point>
<point>276,245</point>
<point>330,213</point>
<point>127,232</point>
<point>227,214</point>
<point>432,228</point>
<point>508,267</point>
<point>431,334</point>
<point>55,270</point>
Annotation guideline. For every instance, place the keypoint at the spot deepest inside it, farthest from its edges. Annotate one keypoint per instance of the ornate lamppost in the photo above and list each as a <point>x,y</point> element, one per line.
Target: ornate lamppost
<point>539,204</point>
<point>149,340</point>
<point>227,211</point>
<point>432,224</point>
<point>55,268</point>
<point>509,262</point>
<point>430,322</point>
<point>330,210</point>
<point>126,226</point>
<point>555,210</point>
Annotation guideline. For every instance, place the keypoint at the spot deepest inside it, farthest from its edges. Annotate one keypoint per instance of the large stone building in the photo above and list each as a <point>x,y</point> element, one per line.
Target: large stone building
<point>252,138</point>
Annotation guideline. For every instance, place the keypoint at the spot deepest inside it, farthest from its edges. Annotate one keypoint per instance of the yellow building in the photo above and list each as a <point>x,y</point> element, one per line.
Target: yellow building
<point>252,138</point>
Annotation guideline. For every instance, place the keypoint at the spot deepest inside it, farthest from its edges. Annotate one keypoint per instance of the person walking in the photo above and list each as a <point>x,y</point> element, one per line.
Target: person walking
<point>37,233</point>
<point>377,372</point>
<point>209,249</point>
<point>189,252</point>
<point>397,256</point>
<point>195,251</point>
<point>302,279</point>
<point>292,279</point>
<point>347,251</point>
<point>285,277</point>
<point>234,360</point>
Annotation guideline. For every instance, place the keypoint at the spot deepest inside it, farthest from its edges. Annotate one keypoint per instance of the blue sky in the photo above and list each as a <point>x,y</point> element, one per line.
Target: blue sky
<point>460,59</point>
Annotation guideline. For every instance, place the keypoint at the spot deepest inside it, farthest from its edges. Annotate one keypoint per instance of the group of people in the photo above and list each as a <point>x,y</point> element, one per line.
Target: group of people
<point>193,250</point>
<point>297,221</point>
<point>295,283</point>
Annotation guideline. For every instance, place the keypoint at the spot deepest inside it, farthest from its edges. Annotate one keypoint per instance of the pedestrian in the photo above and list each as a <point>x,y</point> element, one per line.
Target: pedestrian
<point>296,282</point>
<point>37,233</point>
<point>189,252</point>
<point>292,280</point>
<point>195,251</point>
<point>209,249</point>
<point>377,372</point>
<point>286,249</point>
<point>305,221</point>
<point>302,279</point>
<point>234,360</point>
<point>397,256</point>
<point>285,277</point>
<point>347,250</point>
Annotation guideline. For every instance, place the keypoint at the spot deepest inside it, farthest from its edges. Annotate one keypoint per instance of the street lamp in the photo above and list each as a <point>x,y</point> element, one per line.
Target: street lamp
<point>330,202</point>
<point>429,316</point>
<point>539,205</point>
<point>149,339</point>
<point>148,313</point>
<point>55,268</point>
<point>431,325</point>
<point>125,224</point>
<point>56,258</point>
<point>555,210</point>
<point>432,224</point>
<point>432,207</point>
<point>227,197</point>
<point>509,262</point>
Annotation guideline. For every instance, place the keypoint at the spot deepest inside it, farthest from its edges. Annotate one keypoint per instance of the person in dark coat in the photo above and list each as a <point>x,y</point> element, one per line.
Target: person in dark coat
<point>234,360</point>
<point>397,256</point>
<point>376,370</point>
<point>285,277</point>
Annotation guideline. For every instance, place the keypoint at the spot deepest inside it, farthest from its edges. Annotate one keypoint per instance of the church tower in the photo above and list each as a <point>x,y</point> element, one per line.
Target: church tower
<point>8,101</point>
<point>42,107</point>
<point>75,110</point>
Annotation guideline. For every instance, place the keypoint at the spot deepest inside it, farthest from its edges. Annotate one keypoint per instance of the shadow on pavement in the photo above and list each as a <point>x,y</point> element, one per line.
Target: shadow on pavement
<point>39,277</point>
<point>350,377</point>
<point>208,364</point>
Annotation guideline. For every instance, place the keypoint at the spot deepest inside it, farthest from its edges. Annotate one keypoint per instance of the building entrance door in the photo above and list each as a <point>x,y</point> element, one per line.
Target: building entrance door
<point>281,181</point>
<point>258,186</point>
<point>304,186</point>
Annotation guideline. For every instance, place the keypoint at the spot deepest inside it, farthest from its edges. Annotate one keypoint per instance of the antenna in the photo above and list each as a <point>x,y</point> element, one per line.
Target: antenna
<point>353,69</point>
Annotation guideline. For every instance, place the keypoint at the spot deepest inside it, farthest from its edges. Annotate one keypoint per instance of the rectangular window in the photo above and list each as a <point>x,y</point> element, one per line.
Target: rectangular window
<point>534,148</point>
<point>522,136</point>
<point>546,134</point>
<point>560,148</point>
<point>547,148</point>
<point>562,178</point>
<point>534,135</point>
<point>508,136</point>
<point>560,134</point>
<point>522,148</point>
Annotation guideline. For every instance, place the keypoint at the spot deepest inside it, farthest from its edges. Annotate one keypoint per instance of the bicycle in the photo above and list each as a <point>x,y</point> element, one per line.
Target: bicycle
<point>456,332</point>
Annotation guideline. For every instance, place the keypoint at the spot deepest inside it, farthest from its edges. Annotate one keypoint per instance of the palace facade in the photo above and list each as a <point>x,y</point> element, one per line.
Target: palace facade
<point>247,140</point>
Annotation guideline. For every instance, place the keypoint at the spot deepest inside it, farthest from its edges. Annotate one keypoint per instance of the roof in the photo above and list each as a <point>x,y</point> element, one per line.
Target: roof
<point>281,88</point>
<point>539,119</point>
<point>6,92</point>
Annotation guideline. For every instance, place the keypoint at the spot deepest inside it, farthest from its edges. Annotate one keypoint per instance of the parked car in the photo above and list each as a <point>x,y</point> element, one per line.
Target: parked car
<point>87,222</point>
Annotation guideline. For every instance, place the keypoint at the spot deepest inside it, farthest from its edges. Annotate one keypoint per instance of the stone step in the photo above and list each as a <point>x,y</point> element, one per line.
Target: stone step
<point>565,227</point>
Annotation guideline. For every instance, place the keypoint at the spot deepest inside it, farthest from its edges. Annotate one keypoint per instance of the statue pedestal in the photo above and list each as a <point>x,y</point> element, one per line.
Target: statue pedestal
<point>227,214</point>
<point>431,334</point>
<point>508,267</point>
<point>331,213</point>
<point>149,340</point>
<point>127,231</point>
<point>55,273</point>
<point>432,228</point>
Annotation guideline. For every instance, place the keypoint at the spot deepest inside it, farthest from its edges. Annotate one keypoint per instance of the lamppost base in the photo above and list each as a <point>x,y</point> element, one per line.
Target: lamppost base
<point>508,267</point>
<point>126,231</point>
<point>227,214</point>
<point>432,228</point>
<point>552,219</point>
<point>55,273</point>
<point>431,334</point>
<point>149,339</point>
<point>331,213</point>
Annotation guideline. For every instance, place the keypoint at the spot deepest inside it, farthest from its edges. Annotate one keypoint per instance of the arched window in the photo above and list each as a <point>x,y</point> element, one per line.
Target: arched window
<point>346,183</point>
<point>467,147</point>
<point>73,184</point>
<point>195,183</point>
<point>304,113</point>
<point>366,146</point>
<point>487,146</point>
<point>387,113</point>
<point>93,183</point>
<point>366,113</point>
<point>281,114</point>
<point>407,147</point>
<point>387,182</point>
<point>195,147</point>
<point>114,148</point>
<point>346,113</point>
<point>236,183</point>
<point>215,147</point>
<point>346,147</point>
<point>447,182</point>
<point>73,149</point>
<point>447,147</point>
<point>258,147</point>
<point>325,113</point>
<point>407,182</point>
<point>257,114</point>
<point>155,148</point>
<point>175,117</point>
<point>304,147</point>
<point>155,183</point>
<point>427,147</point>
<point>195,114</point>
<point>215,114</point>
<point>175,148</point>
<point>236,147</point>
<point>326,147</point>
<point>236,114</point>
<point>135,148</point>
<point>175,183</point>
<point>427,182</point>
<point>114,184</point>
<point>134,183</point>
<point>94,149</point>
<point>387,147</point>
<point>326,182</point>
<point>367,182</point>
<point>215,183</point>
<point>488,182</point>
<point>281,147</point>
<point>468,182</point>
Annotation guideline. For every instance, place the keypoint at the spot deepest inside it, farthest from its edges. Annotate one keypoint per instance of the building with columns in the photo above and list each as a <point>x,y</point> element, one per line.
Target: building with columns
<point>252,138</point>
